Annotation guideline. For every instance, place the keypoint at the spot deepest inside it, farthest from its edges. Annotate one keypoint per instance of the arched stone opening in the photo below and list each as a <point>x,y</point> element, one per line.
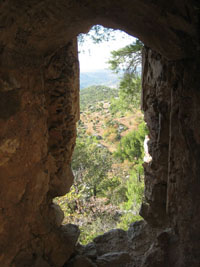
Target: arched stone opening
<point>38,60</point>
<point>99,197</point>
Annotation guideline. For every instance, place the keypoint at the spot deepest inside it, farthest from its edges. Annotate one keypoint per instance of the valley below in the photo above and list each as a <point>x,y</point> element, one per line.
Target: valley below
<point>107,165</point>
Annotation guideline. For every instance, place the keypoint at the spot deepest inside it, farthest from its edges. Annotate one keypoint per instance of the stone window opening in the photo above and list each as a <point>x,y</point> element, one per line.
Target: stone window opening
<point>93,128</point>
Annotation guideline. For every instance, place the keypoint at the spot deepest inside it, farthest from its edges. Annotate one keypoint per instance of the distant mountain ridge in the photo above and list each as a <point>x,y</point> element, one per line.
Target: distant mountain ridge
<point>99,77</point>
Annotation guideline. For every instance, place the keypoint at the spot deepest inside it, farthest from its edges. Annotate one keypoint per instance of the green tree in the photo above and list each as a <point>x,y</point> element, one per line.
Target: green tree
<point>93,201</point>
<point>131,146</point>
<point>134,194</point>
<point>91,163</point>
<point>127,60</point>
<point>130,90</point>
<point>98,34</point>
<point>132,149</point>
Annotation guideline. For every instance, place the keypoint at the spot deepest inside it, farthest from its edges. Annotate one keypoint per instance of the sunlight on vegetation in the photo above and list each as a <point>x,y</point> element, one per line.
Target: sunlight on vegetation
<point>108,157</point>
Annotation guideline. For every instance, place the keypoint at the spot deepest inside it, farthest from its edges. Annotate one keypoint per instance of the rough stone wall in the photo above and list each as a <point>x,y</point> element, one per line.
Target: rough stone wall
<point>183,195</point>
<point>38,114</point>
<point>61,87</point>
<point>172,188</point>
<point>32,29</point>
<point>157,77</point>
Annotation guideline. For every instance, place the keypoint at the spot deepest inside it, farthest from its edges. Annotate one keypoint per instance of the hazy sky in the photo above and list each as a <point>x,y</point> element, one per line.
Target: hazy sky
<point>95,56</point>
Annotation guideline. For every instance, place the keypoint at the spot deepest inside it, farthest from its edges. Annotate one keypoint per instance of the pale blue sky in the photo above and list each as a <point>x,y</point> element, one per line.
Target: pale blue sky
<point>95,56</point>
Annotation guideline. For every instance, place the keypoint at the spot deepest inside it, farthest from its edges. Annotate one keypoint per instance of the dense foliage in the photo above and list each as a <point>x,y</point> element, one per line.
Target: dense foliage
<point>131,146</point>
<point>129,94</point>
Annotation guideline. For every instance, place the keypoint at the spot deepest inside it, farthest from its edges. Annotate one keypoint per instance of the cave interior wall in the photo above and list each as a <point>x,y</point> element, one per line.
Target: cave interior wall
<point>39,108</point>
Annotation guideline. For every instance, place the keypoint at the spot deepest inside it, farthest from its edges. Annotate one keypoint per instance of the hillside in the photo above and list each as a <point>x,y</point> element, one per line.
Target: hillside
<point>100,77</point>
<point>97,120</point>
<point>93,95</point>
<point>106,191</point>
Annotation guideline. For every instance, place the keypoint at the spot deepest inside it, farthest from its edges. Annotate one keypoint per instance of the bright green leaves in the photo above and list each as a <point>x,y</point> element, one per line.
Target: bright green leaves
<point>131,146</point>
<point>126,59</point>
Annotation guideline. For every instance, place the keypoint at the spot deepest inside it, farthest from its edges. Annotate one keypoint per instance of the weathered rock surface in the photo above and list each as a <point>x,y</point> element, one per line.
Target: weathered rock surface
<point>36,144</point>
<point>169,102</point>
<point>38,113</point>
<point>118,247</point>
<point>113,259</point>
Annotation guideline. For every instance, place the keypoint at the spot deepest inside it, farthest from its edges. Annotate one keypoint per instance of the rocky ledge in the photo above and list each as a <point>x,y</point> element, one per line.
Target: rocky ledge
<point>141,245</point>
